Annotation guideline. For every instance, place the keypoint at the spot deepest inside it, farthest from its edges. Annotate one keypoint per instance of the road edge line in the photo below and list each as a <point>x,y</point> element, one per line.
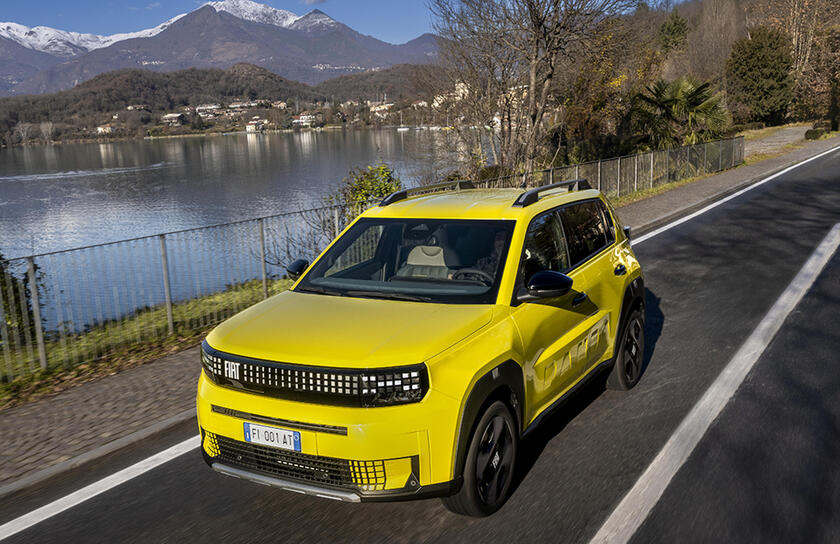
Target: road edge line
<point>96,453</point>
<point>637,504</point>
<point>109,482</point>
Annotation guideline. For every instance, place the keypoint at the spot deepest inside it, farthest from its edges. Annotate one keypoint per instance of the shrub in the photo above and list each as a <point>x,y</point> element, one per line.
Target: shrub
<point>815,133</point>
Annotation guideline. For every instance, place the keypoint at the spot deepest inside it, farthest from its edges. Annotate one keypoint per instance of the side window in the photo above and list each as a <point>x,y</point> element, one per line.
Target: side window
<point>545,246</point>
<point>586,229</point>
<point>609,222</point>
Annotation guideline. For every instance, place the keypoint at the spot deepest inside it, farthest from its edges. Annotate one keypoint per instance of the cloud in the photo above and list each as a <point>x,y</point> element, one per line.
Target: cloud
<point>313,2</point>
<point>153,5</point>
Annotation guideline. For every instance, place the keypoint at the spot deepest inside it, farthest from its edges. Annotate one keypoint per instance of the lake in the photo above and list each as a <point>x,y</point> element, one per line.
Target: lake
<point>64,196</point>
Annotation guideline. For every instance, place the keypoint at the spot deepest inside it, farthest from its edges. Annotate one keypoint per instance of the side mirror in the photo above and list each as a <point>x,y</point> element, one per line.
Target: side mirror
<point>546,284</point>
<point>297,268</point>
<point>627,232</point>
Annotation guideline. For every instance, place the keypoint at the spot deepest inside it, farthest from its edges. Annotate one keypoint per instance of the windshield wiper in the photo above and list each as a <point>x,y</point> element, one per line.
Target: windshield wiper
<point>320,291</point>
<point>389,295</point>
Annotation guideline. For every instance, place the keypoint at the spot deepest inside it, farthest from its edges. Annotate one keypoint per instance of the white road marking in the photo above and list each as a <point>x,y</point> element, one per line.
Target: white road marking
<point>634,508</point>
<point>724,200</point>
<point>69,501</point>
<point>109,482</point>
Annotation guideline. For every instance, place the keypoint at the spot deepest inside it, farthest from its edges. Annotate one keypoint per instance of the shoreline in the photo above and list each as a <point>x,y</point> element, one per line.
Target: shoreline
<point>119,139</point>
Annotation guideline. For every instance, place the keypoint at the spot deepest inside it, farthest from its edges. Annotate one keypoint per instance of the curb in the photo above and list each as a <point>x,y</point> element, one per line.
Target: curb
<point>97,453</point>
<point>166,424</point>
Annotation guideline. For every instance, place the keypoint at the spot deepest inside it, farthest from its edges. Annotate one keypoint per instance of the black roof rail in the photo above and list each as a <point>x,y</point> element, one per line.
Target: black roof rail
<point>426,189</point>
<point>529,197</point>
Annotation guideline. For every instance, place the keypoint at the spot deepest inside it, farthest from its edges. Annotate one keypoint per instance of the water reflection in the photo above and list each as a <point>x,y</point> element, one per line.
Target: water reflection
<point>64,196</point>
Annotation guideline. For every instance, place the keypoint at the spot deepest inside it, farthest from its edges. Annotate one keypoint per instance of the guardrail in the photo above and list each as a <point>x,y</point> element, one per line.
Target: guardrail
<point>70,307</point>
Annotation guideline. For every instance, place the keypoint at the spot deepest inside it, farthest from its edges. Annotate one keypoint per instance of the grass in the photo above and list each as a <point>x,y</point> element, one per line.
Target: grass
<point>121,344</point>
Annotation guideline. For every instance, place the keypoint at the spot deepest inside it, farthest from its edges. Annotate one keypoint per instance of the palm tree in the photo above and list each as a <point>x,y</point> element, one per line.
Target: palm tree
<point>679,112</point>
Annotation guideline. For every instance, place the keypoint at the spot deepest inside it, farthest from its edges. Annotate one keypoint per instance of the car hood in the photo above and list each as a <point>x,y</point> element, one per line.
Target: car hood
<point>326,330</point>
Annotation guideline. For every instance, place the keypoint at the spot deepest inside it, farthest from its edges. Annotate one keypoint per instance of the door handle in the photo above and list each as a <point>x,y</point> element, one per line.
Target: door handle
<point>620,270</point>
<point>579,299</point>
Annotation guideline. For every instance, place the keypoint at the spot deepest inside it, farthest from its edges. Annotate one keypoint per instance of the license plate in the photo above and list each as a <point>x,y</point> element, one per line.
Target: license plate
<point>272,436</point>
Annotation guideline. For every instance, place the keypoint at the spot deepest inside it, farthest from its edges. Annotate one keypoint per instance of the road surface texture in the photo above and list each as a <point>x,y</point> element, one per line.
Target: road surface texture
<point>767,468</point>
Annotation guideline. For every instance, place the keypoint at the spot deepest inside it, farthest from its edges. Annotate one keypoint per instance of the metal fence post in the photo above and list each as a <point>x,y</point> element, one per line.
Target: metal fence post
<point>551,176</point>
<point>705,147</point>
<point>166,290</point>
<point>668,165</point>
<point>599,174</point>
<point>618,179</point>
<point>36,312</point>
<point>577,171</point>
<point>262,258</point>
<point>651,169</point>
<point>636,172</point>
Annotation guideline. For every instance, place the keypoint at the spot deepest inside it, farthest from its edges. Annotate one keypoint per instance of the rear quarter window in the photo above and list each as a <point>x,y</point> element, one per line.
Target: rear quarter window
<point>586,230</point>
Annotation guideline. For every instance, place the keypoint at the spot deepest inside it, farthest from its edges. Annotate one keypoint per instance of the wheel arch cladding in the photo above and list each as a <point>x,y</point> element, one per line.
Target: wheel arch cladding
<point>504,382</point>
<point>634,297</point>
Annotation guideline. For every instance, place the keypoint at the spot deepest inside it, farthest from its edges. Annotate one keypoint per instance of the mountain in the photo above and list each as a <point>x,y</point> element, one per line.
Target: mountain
<point>64,44</point>
<point>400,82</point>
<point>255,12</point>
<point>311,48</point>
<point>18,63</point>
<point>161,92</point>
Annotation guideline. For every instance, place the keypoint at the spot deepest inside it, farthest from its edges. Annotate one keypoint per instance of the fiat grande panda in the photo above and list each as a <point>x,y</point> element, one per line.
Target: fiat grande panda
<point>409,359</point>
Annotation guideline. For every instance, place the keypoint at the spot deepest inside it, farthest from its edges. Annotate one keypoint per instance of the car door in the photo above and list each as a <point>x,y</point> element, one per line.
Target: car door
<point>591,240</point>
<point>551,330</point>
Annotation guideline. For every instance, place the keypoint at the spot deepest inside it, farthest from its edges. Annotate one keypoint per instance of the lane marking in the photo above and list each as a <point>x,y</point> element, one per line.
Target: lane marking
<point>69,501</point>
<point>724,200</point>
<point>634,508</point>
<point>109,482</point>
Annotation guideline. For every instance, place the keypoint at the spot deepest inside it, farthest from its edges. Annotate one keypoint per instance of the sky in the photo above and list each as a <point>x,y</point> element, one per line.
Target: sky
<point>394,21</point>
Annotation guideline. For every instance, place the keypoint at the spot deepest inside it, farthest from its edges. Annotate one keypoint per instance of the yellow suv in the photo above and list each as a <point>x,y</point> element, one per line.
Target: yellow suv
<point>410,358</point>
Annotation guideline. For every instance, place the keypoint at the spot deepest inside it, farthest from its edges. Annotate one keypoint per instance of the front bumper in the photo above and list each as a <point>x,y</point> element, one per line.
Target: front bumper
<point>349,454</point>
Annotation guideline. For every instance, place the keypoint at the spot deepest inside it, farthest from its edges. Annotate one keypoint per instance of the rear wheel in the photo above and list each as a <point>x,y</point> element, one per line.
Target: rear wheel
<point>489,466</point>
<point>629,353</point>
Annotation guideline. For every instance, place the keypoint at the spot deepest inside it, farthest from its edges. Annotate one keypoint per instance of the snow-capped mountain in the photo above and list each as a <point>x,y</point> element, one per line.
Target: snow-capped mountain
<point>256,12</point>
<point>220,33</point>
<point>65,44</point>
<point>315,21</point>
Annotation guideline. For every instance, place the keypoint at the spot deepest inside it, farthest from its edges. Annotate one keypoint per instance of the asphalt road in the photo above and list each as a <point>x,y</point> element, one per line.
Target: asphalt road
<point>710,281</point>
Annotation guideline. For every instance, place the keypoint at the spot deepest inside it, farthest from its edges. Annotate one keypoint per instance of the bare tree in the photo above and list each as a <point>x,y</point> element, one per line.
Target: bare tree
<point>24,131</point>
<point>47,131</point>
<point>505,55</point>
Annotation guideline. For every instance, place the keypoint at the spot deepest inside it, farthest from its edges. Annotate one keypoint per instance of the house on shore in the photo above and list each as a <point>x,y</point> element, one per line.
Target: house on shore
<point>174,119</point>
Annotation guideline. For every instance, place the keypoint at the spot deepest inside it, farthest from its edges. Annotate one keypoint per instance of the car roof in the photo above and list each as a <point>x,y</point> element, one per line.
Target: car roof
<point>476,204</point>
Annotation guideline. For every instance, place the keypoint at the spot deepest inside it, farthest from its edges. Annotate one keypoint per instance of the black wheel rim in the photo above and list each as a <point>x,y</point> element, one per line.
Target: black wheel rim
<point>494,461</point>
<point>633,350</point>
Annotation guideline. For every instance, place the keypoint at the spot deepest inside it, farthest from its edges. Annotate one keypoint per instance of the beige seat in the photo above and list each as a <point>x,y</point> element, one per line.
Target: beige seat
<point>425,262</point>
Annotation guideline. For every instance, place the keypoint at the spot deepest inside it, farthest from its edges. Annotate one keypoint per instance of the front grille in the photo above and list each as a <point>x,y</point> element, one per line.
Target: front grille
<point>336,386</point>
<point>292,465</point>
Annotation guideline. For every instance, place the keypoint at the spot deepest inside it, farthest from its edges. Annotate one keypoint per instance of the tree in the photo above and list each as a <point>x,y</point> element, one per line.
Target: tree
<point>502,57</point>
<point>673,32</point>
<point>759,78</point>
<point>680,113</point>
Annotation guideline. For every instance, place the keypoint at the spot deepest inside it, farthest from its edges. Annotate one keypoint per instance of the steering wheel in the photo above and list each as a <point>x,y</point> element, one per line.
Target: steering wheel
<point>484,276</point>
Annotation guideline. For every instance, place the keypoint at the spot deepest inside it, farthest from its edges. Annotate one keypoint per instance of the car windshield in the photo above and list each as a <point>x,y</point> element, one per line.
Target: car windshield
<point>450,261</point>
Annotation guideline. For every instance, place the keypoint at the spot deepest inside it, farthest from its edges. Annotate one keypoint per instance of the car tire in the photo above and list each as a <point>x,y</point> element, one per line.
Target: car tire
<point>489,466</point>
<point>629,353</point>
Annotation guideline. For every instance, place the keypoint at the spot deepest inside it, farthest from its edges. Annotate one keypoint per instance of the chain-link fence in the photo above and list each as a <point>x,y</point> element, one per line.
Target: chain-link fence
<point>71,307</point>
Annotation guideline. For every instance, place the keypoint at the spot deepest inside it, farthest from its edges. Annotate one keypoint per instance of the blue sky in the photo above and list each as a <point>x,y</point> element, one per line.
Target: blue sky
<point>394,21</point>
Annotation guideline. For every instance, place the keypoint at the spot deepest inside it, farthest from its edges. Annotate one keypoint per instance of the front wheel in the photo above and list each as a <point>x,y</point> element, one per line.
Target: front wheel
<point>629,353</point>
<point>489,466</point>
